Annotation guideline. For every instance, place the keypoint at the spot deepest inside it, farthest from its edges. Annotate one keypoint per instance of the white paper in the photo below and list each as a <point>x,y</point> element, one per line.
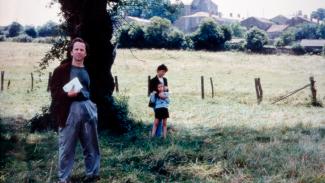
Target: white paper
<point>74,84</point>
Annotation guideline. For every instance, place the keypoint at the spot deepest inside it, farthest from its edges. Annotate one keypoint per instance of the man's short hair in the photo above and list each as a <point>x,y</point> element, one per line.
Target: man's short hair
<point>75,40</point>
<point>162,67</point>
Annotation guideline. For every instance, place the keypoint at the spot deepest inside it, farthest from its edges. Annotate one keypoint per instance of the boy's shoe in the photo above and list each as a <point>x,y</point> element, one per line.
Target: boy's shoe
<point>92,178</point>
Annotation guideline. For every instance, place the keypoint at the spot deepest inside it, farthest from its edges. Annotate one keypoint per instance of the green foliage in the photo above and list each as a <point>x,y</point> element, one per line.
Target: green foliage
<point>156,32</point>
<point>306,31</point>
<point>14,29</point>
<point>226,32</point>
<point>209,36</point>
<point>321,31</point>
<point>319,14</point>
<point>279,43</point>
<point>288,37</point>
<point>43,121</point>
<point>150,8</point>
<point>49,29</point>
<point>131,35</point>
<point>238,30</point>
<point>323,51</point>
<point>23,38</point>
<point>256,39</point>
<point>298,49</point>
<point>240,46</point>
<point>175,39</point>
<point>30,31</point>
<point>2,38</point>
<point>117,110</point>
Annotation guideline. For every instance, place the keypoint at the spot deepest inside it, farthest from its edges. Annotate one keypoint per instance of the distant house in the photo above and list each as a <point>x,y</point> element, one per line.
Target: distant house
<point>297,20</point>
<point>313,43</point>
<point>194,6</point>
<point>137,19</point>
<point>190,23</point>
<point>280,20</point>
<point>260,23</point>
<point>276,30</point>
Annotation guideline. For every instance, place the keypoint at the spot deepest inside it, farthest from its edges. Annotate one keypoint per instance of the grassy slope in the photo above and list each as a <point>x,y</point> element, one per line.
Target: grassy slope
<point>227,138</point>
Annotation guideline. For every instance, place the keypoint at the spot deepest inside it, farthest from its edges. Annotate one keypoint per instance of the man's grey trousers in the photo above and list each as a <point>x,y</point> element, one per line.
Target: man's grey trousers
<point>81,124</point>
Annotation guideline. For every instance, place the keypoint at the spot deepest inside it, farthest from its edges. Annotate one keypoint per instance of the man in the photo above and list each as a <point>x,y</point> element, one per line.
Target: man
<point>75,114</point>
<point>159,78</point>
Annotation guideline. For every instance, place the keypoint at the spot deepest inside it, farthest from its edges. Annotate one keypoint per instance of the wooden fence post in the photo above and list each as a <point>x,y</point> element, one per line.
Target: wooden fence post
<point>259,91</point>
<point>8,85</point>
<point>49,82</point>
<point>32,81</point>
<point>313,91</point>
<point>149,78</point>
<point>116,84</point>
<point>202,87</point>
<point>2,79</point>
<point>212,88</point>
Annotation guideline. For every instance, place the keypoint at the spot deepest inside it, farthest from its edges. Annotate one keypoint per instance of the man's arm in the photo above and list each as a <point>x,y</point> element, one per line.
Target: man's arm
<point>56,86</point>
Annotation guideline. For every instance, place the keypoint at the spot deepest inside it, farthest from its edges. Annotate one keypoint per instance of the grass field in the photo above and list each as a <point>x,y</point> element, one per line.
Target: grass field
<point>228,138</point>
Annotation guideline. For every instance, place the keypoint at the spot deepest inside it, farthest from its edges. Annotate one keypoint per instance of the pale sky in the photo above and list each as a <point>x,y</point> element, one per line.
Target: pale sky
<point>36,12</point>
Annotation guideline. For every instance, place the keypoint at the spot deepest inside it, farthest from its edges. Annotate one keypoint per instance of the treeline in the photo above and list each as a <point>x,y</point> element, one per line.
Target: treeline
<point>19,33</point>
<point>160,33</point>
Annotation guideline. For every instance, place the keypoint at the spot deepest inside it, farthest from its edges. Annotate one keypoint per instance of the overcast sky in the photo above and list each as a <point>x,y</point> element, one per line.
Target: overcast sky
<point>36,12</point>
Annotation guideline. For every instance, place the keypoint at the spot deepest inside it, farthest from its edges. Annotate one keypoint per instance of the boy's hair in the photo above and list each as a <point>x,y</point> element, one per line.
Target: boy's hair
<point>162,67</point>
<point>75,40</point>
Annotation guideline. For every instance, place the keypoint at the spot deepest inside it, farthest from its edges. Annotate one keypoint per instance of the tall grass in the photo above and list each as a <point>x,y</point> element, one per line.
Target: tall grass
<point>228,138</point>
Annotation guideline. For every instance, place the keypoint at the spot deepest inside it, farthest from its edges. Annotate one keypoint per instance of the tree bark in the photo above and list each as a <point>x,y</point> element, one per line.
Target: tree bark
<point>90,20</point>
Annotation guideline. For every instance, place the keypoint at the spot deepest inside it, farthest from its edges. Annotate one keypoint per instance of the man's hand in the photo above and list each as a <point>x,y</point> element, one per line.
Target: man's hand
<point>72,93</point>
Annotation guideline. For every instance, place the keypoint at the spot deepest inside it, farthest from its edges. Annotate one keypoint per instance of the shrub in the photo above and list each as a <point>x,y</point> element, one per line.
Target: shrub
<point>22,39</point>
<point>298,49</point>
<point>45,40</point>
<point>14,29</point>
<point>226,32</point>
<point>321,31</point>
<point>49,29</point>
<point>287,37</point>
<point>156,33</point>
<point>256,39</point>
<point>131,35</point>
<point>209,36</point>
<point>279,43</point>
<point>237,30</point>
<point>238,46</point>
<point>2,38</point>
<point>43,121</point>
<point>306,31</point>
<point>175,39</point>
<point>323,52</point>
<point>30,31</point>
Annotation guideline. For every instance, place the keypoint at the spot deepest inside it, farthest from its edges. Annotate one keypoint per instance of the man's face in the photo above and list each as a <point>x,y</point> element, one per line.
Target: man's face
<point>161,73</point>
<point>78,52</point>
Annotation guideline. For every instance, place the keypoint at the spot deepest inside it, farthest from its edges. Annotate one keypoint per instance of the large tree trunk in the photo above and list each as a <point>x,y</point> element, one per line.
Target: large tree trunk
<point>90,20</point>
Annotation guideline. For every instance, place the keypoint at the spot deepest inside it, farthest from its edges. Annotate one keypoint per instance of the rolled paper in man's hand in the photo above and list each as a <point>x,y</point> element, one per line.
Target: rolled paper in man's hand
<point>74,84</point>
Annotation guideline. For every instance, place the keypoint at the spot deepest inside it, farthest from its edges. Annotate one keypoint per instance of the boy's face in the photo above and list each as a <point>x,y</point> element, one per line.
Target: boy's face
<point>160,88</point>
<point>161,73</point>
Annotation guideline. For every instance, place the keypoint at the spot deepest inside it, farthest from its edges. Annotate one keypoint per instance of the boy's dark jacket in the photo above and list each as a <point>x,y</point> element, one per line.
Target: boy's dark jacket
<point>153,87</point>
<point>61,102</point>
<point>154,82</point>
